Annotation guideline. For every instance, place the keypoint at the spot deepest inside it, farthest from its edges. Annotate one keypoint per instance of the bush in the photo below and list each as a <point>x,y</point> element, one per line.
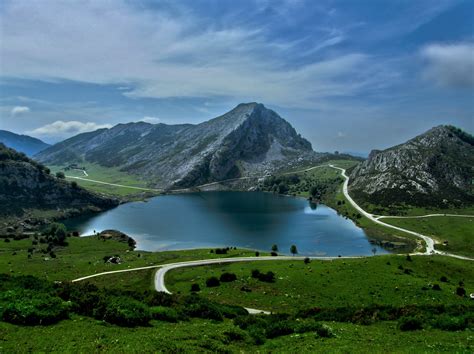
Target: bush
<point>443,279</point>
<point>200,308</point>
<point>410,323</point>
<point>436,287</point>
<point>279,328</point>
<point>32,308</point>
<point>460,291</point>
<point>212,282</point>
<point>228,277</point>
<point>324,331</point>
<point>123,311</point>
<point>450,323</point>
<point>307,260</point>
<point>195,287</point>
<point>162,313</point>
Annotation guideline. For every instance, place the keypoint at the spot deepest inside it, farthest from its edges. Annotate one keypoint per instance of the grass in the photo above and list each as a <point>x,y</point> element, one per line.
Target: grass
<point>84,256</point>
<point>106,174</point>
<point>458,231</point>
<point>330,284</point>
<point>358,282</point>
<point>81,334</point>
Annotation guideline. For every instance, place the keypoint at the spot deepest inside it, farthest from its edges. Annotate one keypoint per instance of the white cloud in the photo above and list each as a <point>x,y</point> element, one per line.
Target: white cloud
<point>161,56</point>
<point>62,129</point>
<point>151,120</point>
<point>450,65</point>
<point>17,110</point>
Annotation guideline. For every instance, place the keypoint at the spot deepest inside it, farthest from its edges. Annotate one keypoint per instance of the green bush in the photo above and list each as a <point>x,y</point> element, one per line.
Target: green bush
<point>212,282</point>
<point>30,308</point>
<point>450,323</point>
<point>410,323</point>
<point>162,313</point>
<point>123,311</point>
<point>228,277</point>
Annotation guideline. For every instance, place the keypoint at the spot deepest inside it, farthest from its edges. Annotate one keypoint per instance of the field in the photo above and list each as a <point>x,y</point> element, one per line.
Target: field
<point>84,256</point>
<point>381,280</point>
<point>81,334</point>
<point>458,231</point>
<point>109,175</point>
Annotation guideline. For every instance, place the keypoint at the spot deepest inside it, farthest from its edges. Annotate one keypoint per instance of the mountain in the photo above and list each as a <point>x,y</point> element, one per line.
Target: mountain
<point>23,143</point>
<point>432,169</point>
<point>248,140</point>
<point>25,184</point>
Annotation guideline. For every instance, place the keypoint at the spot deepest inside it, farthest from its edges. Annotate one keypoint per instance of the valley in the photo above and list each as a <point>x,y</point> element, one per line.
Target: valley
<point>211,243</point>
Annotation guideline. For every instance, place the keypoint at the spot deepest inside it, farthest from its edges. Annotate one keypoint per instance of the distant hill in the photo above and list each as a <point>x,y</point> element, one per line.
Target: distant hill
<point>25,184</point>
<point>248,140</point>
<point>23,143</point>
<point>433,169</point>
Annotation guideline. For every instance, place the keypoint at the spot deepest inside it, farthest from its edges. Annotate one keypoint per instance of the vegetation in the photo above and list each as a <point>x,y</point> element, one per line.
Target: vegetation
<point>454,234</point>
<point>396,281</point>
<point>105,174</point>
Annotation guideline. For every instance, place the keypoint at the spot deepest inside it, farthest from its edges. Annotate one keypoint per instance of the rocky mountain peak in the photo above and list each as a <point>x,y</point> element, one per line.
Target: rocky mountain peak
<point>432,168</point>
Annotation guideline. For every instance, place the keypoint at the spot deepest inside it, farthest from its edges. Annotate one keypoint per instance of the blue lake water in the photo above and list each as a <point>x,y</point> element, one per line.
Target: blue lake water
<point>243,219</point>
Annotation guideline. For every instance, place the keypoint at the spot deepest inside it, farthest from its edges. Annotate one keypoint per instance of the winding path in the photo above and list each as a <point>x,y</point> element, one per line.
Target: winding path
<point>376,219</point>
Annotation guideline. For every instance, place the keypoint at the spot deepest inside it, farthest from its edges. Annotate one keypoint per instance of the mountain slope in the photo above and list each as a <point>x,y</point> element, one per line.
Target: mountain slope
<point>250,139</point>
<point>25,184</point>
<point>23,143</point>
<point>432,169</point>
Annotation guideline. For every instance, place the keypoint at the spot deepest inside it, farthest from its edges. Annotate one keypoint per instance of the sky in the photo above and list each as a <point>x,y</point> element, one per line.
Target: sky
<point>350,76</point>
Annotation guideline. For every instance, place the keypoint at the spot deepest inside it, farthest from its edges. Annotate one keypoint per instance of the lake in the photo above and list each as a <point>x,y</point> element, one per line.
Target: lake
<point>254,220</point>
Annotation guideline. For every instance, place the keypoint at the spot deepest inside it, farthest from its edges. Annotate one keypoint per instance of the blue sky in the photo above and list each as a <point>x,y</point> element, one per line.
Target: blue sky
<point>349,75</point>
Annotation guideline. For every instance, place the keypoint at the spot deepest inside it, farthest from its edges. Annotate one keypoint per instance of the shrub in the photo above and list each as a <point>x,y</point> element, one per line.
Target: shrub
<point>410,323</point>
<point>450,323</point>
<point>436,287</point>
<point>460,291</point>
<point>273,254</point>
<point>60,175</point>
<point>212,282</point>
<point>279,328</point>
<point>228,277</point>
<point>255,273</point>
<point>162,313</point>
<point>33,308</point>
<point>123,311</point>
<point>443,279</point>
<point>257,254</point>
<point>195,287</point>
<point>200,308</point>
<point>324,331</point>
<point>307,260</point>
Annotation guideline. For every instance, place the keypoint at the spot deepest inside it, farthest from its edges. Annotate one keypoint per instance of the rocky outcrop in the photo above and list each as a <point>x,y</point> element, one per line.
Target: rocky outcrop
<point>434,168</point>
<point>250,139</point>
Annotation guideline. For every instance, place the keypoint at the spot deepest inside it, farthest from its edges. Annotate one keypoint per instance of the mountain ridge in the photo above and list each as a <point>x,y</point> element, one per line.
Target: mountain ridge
<point>249,139</point>
<point>22,143</point>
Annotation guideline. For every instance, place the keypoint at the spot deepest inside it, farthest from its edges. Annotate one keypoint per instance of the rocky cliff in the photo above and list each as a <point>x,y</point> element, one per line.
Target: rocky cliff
<point>250,139</point>
<point>432,169</point>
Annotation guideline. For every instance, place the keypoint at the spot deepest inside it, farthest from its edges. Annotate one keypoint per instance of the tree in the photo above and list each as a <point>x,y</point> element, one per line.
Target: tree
<point>374,251</point>
<point>275,248</point>
<point>307,260</point>
<point>74,184</point>
<point>293,250</point>
<point>60,175</point>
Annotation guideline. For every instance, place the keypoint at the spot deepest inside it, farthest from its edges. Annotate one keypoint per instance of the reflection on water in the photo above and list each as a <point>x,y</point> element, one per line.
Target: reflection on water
<point>242,219</point>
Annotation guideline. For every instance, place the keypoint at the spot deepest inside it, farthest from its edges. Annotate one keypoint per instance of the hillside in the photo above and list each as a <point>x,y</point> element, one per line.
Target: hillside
<point>433,169</point>
<point>22,143</point>
<point>248,140</point>
<point>25,184</point>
